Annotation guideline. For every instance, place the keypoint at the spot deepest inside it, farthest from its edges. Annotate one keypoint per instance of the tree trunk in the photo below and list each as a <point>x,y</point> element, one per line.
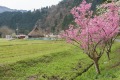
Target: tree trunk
<point>108,55</point>
<point>97,66</point>
<point>108,52</point>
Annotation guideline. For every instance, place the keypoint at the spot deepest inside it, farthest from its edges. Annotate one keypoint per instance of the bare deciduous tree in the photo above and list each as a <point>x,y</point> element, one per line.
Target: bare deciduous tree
<point>4,30</point>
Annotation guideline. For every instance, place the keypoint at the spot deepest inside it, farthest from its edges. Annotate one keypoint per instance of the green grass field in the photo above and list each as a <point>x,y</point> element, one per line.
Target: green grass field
<point>52,60</point>
<point>118,37</point>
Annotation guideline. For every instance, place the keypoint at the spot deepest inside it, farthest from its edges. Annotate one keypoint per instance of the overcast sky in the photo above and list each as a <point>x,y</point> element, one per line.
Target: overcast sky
<point>28,4</point>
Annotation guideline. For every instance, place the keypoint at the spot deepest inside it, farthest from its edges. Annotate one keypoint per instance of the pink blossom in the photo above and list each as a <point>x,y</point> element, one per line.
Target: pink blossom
<point>91,29</point>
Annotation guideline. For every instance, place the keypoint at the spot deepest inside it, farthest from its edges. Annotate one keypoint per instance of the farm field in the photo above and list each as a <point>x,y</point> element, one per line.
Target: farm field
<point>53,60</point>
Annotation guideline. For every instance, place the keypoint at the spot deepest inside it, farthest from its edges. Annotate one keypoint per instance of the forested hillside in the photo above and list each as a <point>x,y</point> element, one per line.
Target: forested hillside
<point>59,16</point>
<point>24,21</point>
<point>50,19</point>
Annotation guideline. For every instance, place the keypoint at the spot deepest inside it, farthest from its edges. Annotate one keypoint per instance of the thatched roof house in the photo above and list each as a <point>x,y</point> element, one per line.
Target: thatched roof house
<point>36,33</point>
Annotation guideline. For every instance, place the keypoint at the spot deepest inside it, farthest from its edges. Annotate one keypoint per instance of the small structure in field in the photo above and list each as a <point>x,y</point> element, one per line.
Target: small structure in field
<point>8,37</point>
<point>21,36</point>
<point>36,33</point>
<point>51,36</point>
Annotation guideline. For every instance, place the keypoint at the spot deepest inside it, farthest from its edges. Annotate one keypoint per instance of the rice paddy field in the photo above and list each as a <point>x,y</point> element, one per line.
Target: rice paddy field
<point>53,60</point>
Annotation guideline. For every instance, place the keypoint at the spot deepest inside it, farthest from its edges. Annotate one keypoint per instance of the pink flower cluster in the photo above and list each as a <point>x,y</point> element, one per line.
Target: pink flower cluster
<point>93,28</point>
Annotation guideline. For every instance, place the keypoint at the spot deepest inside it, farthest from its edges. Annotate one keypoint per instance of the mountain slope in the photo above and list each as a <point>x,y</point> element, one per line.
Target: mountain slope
<point>59,16</point>
<point>5,9</point>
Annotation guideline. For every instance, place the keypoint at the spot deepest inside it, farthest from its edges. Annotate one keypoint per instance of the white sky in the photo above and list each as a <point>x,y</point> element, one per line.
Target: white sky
<point>27,4</point>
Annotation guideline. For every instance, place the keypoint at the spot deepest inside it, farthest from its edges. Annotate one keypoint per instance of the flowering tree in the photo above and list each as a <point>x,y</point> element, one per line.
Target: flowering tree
<point>94,31</point>
<point>101,10</point>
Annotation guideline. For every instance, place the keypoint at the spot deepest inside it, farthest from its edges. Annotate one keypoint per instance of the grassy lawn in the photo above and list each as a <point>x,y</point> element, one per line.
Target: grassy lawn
<point>110,70</point>
<point>52,60</point>
<point>118,37</point>
<point>13,51</point>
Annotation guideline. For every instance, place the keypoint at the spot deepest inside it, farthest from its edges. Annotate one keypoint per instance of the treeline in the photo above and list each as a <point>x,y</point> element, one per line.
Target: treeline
<point>24,21</point>
<point>51,19</point>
